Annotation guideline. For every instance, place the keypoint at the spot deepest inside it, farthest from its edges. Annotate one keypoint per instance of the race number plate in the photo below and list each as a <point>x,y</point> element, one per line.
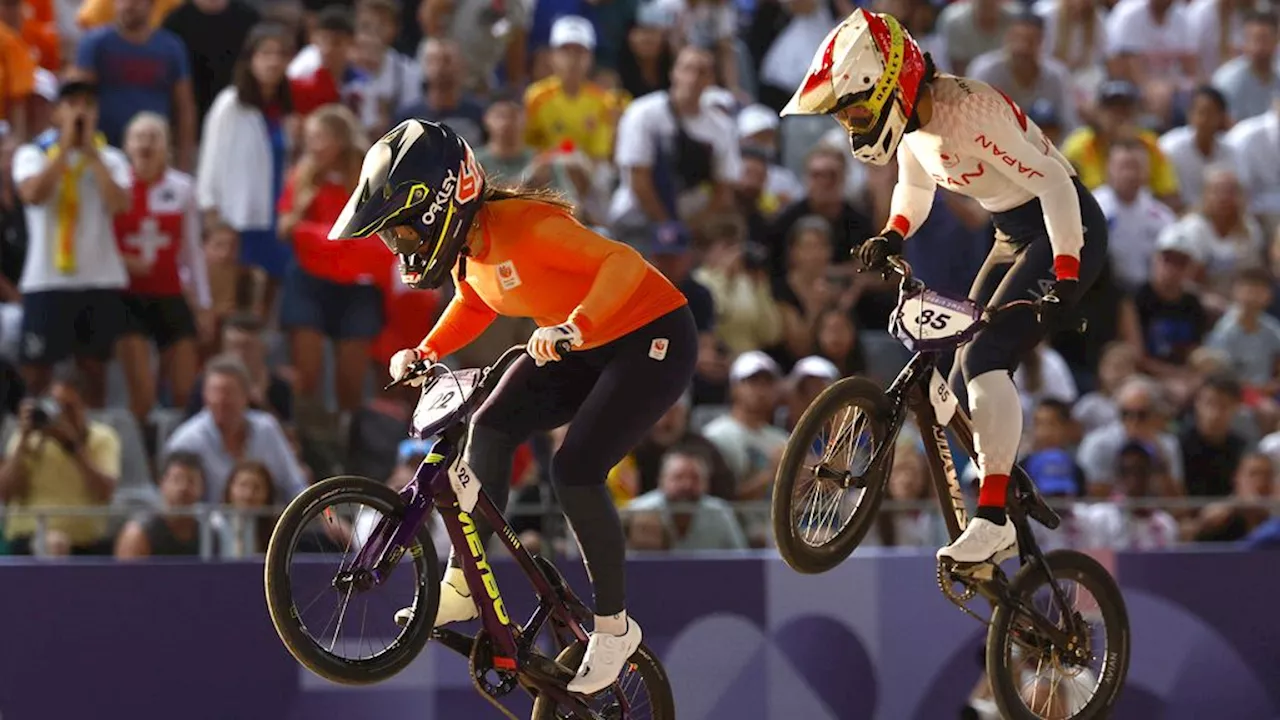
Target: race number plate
<point>927,318</point>
<point>943,400</point>
<point>465,485</point>
<point>442,397</point>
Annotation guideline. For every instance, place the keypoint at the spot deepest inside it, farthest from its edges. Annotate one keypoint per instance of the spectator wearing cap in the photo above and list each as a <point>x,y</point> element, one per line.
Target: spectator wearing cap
<point>72,183</point>
<point>1172,319</point>
<point>243,155</point>
<point>227,431</point>
<point>1230,239</point>
<point>677,159</point>
<point>140,67</point>
<point>973,27</point>
<point>744,436</point>
<point>567,108</point>
<point>444,99</point>
<point>646,67</point>
<point>783,36</point>
<point>747,316</point>
<point>1023,72</point>
<point>213,31</point>
<point>1114,118</point>
<point>758,130</point>
<point>1135,217</point>
<point>1151,43</point>
<point>1256,142</point>
<point>809,377</point>
<point>1201,143</point>
<point>1249,81</point>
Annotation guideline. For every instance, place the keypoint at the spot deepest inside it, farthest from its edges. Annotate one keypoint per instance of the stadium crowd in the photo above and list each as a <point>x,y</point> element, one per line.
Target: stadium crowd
<point>177,332</point>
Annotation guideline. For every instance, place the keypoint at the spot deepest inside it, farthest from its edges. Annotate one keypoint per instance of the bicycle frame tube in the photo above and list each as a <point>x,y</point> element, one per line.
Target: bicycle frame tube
<point>913,386</point>
<point>388,540</point>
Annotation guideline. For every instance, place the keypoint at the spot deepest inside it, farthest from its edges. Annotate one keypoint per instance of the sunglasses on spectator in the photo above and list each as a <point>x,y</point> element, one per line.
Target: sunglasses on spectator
<point>1135,413</point>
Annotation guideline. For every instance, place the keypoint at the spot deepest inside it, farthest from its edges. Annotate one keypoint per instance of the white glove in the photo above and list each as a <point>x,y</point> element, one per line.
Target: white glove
<point>401,361</point>
<point>542,343</point>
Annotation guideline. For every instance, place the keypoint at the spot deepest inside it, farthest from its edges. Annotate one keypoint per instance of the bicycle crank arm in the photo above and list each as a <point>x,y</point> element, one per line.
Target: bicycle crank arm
<point>454,640</point>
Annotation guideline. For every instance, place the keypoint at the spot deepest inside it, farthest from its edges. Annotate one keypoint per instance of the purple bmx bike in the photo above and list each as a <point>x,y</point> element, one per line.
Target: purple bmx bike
<point>349,552</point>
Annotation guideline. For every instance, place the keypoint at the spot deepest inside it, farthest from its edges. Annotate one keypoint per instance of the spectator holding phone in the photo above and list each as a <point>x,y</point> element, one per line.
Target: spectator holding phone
<point>72,183</point>
<point>59,458</point>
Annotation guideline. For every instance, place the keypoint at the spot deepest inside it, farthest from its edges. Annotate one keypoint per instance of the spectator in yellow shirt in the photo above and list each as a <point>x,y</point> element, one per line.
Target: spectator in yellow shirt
<point>567,107</point>
<point>1115,116</point>
<point>96,13</point>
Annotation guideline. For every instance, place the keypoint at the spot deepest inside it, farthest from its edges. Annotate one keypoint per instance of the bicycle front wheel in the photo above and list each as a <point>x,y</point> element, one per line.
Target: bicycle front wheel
<point>335,618</point>
<point>826,494</point>
<point>1036,678</point>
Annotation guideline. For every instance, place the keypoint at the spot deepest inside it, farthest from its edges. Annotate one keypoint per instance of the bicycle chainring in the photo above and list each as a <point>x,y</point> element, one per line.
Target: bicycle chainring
<point>490,681</point>
<point>947,581</point>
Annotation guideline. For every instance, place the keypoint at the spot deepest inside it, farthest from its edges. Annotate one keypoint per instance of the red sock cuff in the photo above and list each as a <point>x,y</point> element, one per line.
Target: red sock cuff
<point>994,490</point>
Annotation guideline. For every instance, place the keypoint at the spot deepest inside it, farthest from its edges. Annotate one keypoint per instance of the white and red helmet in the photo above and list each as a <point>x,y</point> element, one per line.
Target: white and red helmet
<point>867,73</point>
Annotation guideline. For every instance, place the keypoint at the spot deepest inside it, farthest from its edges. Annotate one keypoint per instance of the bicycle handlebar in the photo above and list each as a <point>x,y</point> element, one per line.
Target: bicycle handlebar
<point>432,370</point>
<point>899,265</point>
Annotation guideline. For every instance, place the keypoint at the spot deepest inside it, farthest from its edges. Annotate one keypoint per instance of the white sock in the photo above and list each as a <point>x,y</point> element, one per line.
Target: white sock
<point>613,624</point>
<point>455,577</point>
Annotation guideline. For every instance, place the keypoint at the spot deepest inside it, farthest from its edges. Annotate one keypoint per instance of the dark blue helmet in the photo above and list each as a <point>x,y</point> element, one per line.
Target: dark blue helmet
<point>419,191</point>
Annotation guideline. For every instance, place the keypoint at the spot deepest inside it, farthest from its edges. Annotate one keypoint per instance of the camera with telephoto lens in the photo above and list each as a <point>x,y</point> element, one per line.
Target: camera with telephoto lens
<point>46,410</point>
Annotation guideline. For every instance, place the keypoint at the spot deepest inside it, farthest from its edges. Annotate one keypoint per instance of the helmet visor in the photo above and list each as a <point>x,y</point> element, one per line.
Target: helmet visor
<point>401,239</point>
<point>858,118</point>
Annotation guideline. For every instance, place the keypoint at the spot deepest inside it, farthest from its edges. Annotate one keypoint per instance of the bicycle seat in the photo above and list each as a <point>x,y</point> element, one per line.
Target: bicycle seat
<point>1033,502</point>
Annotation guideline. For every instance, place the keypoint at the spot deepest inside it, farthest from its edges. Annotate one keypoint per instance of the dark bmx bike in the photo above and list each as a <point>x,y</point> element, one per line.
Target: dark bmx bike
<point>382,544</point>
<point>1061,611</point>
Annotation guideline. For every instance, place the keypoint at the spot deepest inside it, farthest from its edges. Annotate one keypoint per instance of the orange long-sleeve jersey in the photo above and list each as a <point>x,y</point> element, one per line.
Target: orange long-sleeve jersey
<point>539,262</point>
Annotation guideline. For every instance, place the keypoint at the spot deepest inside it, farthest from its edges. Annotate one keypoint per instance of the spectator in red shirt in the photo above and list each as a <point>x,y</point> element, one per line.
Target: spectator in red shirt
<point>159,239</point>
<point>336,80</point>
<point>330,291</point>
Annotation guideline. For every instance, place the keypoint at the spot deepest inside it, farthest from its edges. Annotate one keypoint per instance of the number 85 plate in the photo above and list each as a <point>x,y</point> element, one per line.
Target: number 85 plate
<point>926,320</point>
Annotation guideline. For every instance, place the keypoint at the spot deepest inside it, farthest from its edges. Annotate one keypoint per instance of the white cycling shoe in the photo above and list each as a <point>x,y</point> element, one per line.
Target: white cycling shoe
<point>606,655</point>
<point>456,603</point>
<point>981,541</point>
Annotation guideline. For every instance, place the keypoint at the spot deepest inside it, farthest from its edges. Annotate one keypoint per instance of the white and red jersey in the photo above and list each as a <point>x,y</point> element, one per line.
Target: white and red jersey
<point>979,143</point>
<point>162,227</point>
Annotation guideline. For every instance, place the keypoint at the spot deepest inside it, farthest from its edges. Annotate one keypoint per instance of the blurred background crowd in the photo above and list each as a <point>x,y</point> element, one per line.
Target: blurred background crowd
<point>183,351</point>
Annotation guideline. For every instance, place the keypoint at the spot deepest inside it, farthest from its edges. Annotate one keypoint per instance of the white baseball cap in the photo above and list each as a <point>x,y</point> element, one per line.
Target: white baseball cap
<point>815,366</point>
<point>751,363</point>
<point>573,30</point>
<point>756,118</point>
<point>1178,238</point>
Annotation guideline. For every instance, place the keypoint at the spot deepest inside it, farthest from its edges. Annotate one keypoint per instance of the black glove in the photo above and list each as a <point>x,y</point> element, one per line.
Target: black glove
<point>875,252</point>
<point>1053,306</point>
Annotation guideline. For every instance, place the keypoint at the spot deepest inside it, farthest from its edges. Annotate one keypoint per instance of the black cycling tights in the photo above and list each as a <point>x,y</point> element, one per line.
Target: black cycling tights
<point>611,396</point>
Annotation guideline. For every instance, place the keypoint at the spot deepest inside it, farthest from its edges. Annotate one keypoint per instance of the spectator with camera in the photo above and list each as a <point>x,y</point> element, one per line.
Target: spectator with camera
<point>72,183</point>
<point>59,458</point>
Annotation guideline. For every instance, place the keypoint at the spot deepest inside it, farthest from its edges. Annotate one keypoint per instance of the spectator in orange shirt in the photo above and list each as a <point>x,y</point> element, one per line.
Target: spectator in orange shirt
<point>17,80</point>
<point>96,13</point>
<point>41,37</point>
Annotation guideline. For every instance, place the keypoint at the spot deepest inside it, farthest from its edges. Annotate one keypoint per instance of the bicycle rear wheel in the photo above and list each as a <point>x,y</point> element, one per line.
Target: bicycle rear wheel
<point>825,473</point>
<point>643,683</point>
<point>1033,678</point>
<point>321,521</point>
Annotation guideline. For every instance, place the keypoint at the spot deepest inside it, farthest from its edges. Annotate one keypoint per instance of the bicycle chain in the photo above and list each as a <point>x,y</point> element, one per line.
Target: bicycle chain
<point>946,583</point>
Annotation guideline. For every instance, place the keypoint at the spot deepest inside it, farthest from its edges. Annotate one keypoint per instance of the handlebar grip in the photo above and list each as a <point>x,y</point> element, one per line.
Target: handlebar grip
<point>563,347</point>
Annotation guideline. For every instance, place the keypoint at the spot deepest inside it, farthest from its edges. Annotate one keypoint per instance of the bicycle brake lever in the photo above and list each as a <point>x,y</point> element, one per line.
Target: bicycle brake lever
<point>421,368</point>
